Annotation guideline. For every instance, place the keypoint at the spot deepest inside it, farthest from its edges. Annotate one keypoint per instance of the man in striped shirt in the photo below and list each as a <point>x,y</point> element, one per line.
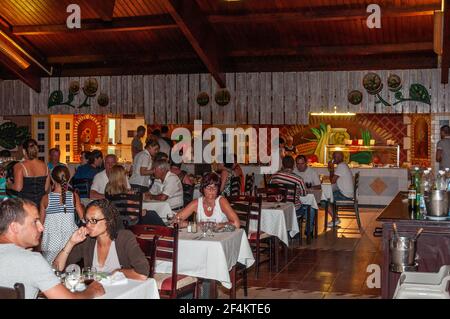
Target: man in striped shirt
<point>286,176</point>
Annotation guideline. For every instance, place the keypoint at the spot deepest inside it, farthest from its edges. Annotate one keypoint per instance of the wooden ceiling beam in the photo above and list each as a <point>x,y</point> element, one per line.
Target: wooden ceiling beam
<point>375,63</point>
<point>142,23</point>
<point>195,27</point>
<point>323,14</point>
<point>445,63</point>
<point>163,67</point>
<point>27,76</point>
<point>104,8</point>
<point>122,58</point>
<point>369,49</point>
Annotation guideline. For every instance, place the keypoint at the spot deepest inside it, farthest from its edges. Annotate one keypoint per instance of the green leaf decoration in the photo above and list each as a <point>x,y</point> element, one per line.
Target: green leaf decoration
<point>316,133</point>
<point>12,136</point>
<point>419,93</point>
<point>55,98</point>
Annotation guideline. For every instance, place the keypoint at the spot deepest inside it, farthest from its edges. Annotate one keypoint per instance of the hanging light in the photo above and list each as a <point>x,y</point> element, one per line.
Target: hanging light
<point>335,113</point>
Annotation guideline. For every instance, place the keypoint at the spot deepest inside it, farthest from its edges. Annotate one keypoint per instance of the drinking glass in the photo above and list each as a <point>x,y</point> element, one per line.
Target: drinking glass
<point>210,228</point>
<point>169,216</point>
<point>204,227</point>
<point>278,197</point>
<point>72,280</point>
<point>89,274</point>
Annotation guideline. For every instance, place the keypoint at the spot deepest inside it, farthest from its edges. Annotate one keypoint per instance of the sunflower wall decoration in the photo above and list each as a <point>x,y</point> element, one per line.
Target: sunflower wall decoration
<point>373,85</point>
<point>89,89</point>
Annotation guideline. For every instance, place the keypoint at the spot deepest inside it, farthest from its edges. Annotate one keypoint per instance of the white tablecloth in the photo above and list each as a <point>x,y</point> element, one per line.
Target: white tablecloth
<point>211,257</point>
<point>162,208</point>
<point>134,289</point>
<point>309,199</point>
<point>327,192</point>
<point>277,219</point>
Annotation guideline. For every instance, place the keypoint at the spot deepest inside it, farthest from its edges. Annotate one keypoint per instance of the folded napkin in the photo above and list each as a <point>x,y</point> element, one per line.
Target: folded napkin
<point>118,278</point>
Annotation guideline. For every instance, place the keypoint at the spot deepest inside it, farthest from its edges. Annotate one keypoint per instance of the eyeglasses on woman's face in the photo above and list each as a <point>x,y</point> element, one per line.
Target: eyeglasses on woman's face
<point>211,188</point>
<point>94,221</point>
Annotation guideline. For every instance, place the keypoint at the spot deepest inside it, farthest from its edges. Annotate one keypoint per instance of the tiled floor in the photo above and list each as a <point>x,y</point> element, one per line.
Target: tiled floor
<point>333,266</point>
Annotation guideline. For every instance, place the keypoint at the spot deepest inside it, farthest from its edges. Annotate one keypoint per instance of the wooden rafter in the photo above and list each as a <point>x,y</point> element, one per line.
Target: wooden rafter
<point>338,50</point>
<point>322,14</point>
<point>27,76</point>
<point>104,8</point>
<point>446,44</point>
<point>195,27</point>
<point>122,58</point>
<point>141,23</point>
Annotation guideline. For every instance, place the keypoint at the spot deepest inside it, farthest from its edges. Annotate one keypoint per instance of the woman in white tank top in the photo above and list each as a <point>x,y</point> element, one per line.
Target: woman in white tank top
<point>210,206</point>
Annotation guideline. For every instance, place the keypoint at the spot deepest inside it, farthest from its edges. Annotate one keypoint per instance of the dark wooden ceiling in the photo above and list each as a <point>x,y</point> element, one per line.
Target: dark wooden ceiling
<point>218,36</point>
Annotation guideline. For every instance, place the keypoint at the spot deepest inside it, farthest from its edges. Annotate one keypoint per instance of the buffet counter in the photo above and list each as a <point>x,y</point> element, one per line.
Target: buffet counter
<point>377,186</point>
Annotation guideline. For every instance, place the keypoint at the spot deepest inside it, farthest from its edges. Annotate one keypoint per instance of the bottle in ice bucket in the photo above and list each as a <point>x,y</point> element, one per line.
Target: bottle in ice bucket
<point>412,198</point>
<point>417,182</point>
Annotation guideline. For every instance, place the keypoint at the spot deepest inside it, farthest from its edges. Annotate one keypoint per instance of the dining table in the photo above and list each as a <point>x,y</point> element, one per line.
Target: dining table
<point>214,258</point>
<point>162,208</point>
<point>131,289</point>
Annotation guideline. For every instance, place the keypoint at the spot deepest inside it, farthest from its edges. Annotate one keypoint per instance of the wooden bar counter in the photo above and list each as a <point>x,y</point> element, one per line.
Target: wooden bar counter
<point>433,245</point>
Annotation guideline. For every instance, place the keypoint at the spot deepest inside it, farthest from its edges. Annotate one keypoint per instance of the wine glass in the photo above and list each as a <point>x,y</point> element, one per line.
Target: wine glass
<point>89,274</point>
<point>73,274</point>
<point>211,225</point>
<point>278,197</point>
<point>204,226</point>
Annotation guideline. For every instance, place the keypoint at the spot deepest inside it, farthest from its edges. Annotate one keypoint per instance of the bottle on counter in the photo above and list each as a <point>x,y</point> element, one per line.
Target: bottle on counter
<point>419,194</point>
<point>441,181</point>
<point>412,196</point>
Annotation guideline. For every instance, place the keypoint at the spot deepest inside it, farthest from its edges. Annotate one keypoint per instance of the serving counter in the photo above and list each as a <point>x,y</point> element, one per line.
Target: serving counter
<point>432,245</point>
<point>377,186</point>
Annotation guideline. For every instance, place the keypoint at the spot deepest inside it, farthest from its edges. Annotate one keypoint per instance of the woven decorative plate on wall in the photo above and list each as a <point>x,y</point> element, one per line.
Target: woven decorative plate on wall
<point>202,99</point>
<point>222,97</point>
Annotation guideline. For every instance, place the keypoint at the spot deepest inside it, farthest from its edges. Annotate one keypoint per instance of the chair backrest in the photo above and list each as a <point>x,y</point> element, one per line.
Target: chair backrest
<point>235,186</point>
<point>249,183</point>
<point>165,247</point>
<point>355,186</point>
<point>267,178</point>
<point>248,208</point>
<point>18,292</point>
<point>188,194</point>
<point>291,192</point>
<point>82,186</point>
<point>128,205</point>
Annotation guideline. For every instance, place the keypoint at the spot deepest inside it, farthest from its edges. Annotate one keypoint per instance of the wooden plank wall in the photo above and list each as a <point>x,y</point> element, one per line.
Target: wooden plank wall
<point>256,98</point>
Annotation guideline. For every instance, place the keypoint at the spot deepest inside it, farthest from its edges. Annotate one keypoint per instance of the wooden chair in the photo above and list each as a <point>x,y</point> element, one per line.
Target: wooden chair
<point>249,184</point>
<point>129,206</point>
<point>18,292</point>
<point>248,209</point>
<point>165,248</point>
<point>188,194</point>
<point>235,186</point>
<point>350,204</point>
<point>82,186</point>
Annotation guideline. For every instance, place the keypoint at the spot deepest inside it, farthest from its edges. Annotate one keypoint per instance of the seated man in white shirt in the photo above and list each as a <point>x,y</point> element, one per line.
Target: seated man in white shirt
<point>171,190</point>
<point>101,179</point>
<point>309,175</point>
<point>341,177</point>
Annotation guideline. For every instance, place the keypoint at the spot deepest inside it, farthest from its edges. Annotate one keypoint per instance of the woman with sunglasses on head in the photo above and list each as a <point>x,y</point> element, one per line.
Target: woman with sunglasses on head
<point>211,206</point>
<point>101,244</point>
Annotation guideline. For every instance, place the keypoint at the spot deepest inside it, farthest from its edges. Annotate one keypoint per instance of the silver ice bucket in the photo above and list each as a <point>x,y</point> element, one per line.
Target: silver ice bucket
<point>436,203</point>
<point>403,254</point>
